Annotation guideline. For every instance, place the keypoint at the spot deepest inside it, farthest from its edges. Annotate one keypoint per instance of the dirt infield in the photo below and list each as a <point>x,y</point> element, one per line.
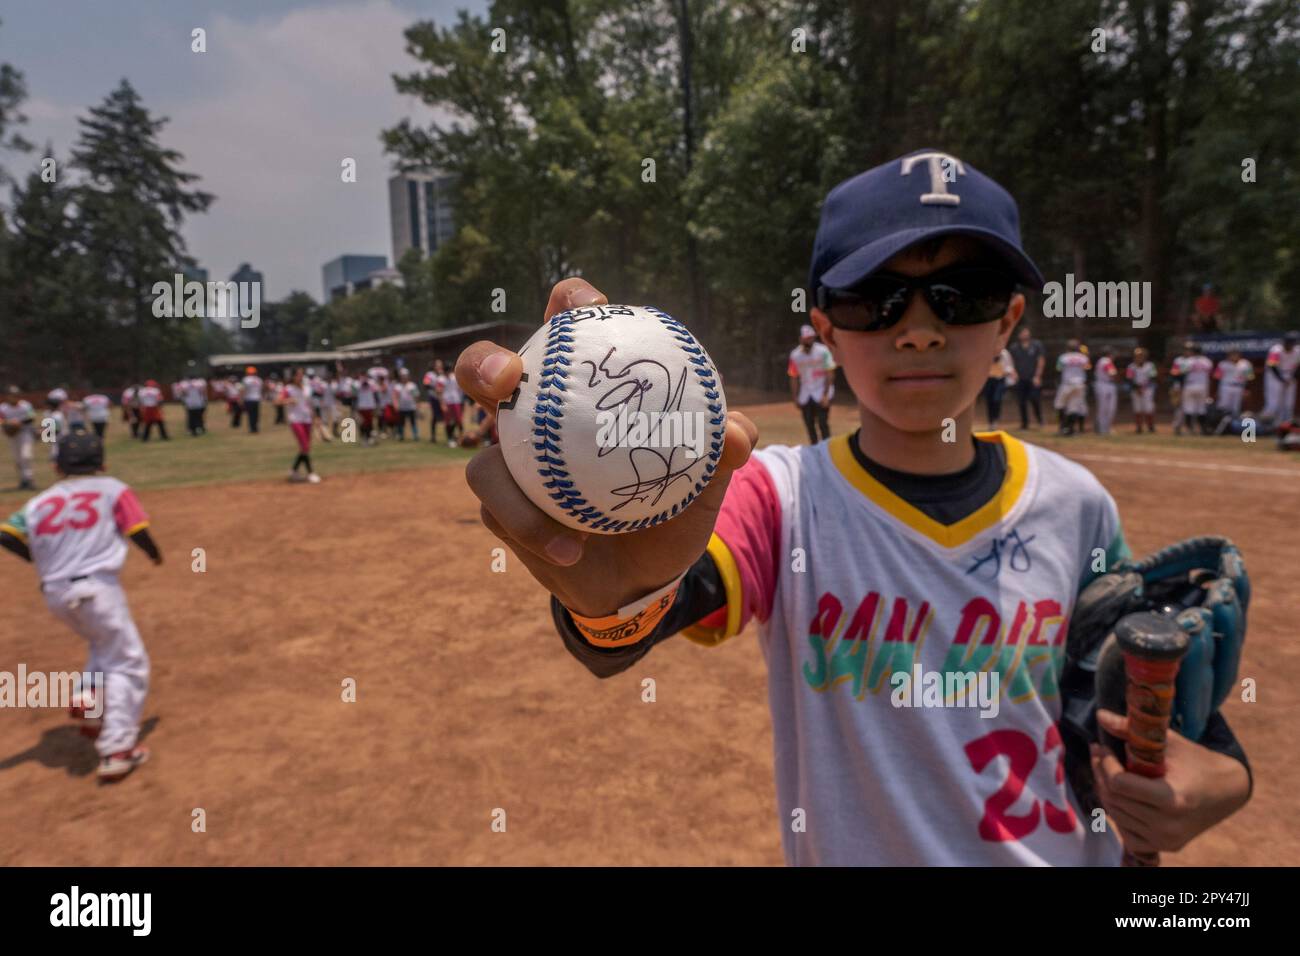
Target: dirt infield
<point>467,702</point>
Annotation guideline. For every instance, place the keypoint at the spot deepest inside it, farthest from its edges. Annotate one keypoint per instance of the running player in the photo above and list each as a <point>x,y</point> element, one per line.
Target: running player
<point>75,533</point>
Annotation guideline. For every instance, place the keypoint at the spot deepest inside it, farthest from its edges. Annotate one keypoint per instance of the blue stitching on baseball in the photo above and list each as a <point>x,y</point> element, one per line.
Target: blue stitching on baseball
<point>548,420</point>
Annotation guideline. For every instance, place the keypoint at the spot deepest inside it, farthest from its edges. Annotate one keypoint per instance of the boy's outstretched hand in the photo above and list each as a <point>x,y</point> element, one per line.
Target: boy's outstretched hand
<point>591,574</point>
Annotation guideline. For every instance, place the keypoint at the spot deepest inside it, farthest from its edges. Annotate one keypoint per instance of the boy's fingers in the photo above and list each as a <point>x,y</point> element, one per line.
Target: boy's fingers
<point>573,293</point>
<point>488,373</point>
<point>740,438</point>
<point>517,520</point>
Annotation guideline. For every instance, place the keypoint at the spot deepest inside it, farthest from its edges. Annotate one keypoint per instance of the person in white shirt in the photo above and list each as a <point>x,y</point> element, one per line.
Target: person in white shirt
<point>1233,374</point>
<point>1002,376</point>
<point>1071,399</point>
<point>194,398</point>
<point>54,423</point>
<point>297,398</point>
<point>1280,370</point>
<point>1141,375</point>
<point>234,401</point>
<point>1106,391</point>
<point>407,394</point>
<point>131,408</point>
<point>97,407</point>
<point>434,382</point>
<point>452,397</point>
<point>151,411</point>
<point>252,397</point>
<point>367,402</point>
<point>18,418</point>
<point>811,370</point>
<point>329,413</point>
<point>1192,371</point>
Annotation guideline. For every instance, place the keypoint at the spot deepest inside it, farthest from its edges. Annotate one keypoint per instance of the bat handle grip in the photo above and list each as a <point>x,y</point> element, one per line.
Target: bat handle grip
<point>1150,700</point>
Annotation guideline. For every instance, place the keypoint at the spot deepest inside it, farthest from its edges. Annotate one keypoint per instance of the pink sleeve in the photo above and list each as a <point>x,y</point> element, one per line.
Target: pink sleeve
<point>745,547</point>
<point>128,513</point>
<point>791,369</point>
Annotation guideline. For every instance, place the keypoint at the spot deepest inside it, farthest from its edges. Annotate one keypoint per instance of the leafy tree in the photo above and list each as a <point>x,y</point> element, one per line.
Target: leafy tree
<point>130,207</point>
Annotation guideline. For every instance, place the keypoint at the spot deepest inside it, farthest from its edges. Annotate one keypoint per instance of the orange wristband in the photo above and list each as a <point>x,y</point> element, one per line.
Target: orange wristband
<point>629,624</point>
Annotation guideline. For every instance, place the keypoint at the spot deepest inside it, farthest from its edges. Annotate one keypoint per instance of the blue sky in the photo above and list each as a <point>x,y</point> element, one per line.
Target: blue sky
<point>287,89</point>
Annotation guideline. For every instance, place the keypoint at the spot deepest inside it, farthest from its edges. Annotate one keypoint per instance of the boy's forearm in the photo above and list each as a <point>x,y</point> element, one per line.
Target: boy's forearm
<point>145,543</point>
<point>700,593</point>
<point>16,545</point>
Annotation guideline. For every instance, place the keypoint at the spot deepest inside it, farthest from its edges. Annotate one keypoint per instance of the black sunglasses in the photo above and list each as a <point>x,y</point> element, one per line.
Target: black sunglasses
<point>966,295</point>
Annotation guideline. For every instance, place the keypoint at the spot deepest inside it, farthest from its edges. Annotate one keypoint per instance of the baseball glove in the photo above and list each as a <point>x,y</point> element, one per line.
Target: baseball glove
<point>1201,585</point>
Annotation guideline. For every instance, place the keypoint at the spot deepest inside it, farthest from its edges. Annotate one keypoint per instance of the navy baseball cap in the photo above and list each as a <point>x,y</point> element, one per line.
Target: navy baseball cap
<point>869,219</point>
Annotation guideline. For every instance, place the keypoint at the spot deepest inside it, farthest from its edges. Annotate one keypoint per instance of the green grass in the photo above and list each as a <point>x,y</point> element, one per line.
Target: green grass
<point>228,455</point>
<point>225,455</point>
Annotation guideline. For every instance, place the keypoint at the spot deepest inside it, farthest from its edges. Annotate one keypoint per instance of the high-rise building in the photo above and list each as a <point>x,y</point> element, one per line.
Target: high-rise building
<point>246,273</point>
<point>420,210</point>
<point>350,273</point>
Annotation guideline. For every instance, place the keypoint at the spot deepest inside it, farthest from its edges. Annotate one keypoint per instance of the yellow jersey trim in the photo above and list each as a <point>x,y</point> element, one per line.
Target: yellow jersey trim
<point>953,535</point>
<point>726,564</point>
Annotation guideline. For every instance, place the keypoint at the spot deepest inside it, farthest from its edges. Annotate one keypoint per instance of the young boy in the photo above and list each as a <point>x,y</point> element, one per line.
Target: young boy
<point>1105,387</point>
<point>1071,400</point>
<point>878,552</point>
<point>75,533</point>
<point>1141,374</point>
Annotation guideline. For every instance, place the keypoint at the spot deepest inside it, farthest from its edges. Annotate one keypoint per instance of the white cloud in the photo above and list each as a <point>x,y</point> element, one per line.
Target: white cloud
<point>288,97</point>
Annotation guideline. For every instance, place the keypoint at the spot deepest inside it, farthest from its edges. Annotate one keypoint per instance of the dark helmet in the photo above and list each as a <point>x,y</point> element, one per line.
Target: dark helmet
<point>81,453</point>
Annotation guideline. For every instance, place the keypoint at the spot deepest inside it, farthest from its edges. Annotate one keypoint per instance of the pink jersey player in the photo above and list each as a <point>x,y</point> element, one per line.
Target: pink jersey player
<point>75,534</point>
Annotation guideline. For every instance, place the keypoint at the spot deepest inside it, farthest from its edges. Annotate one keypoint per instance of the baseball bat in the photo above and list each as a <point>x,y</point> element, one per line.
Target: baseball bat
<point>1153,646</point>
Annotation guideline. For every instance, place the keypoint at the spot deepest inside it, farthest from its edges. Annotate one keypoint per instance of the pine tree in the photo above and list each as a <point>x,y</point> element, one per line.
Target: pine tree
<point>131,204</point>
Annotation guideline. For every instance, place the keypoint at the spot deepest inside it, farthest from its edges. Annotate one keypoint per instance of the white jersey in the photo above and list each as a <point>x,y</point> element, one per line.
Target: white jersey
<point>1073,367</point>
<point>1143,375</point>
<point>1285,361</point>
<point>451,393</point>
<point>1234,374</point>
<point>149,397</point>
<point>367,399</point>
<point>408,393</point>
<point>97,408</point>
<point>300,406</point>
<point>890,770</point>
<point>1106,373</point>
<point>252,388</point>
<point>19,411</point>
<point>814,369</point>
<point>1196,370</point>
<point>78,527</point>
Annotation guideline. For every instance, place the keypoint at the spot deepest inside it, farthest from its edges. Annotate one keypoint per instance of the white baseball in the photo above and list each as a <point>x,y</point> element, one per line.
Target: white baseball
<point>618,421</point>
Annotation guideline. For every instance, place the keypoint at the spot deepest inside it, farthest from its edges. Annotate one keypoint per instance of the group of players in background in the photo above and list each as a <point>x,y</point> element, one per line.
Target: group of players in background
<point>312,402</point>
<point>1206,396</point>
